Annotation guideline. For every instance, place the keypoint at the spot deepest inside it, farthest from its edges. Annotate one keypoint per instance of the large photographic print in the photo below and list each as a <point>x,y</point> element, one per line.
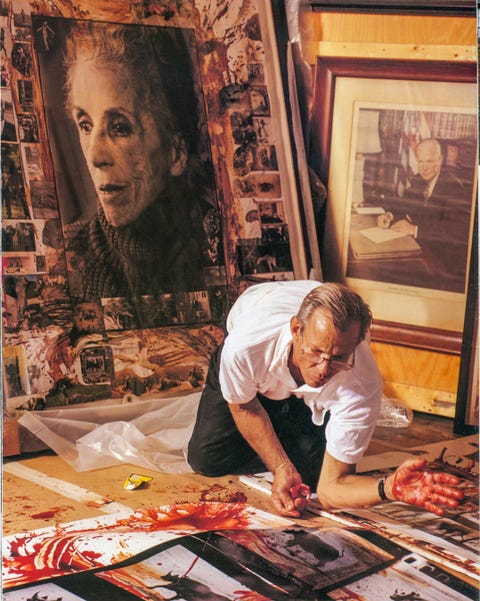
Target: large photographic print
<point>132,165</point>
<point>397,141</point>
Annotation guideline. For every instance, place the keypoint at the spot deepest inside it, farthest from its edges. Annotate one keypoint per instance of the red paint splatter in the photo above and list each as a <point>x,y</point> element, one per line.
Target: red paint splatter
<point>30,560</point>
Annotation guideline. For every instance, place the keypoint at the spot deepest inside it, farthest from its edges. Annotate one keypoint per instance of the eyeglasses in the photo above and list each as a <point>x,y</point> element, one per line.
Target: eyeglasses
<point>320,358</point>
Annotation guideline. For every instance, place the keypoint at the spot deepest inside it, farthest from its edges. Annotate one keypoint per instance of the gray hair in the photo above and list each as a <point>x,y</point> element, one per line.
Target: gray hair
<point>157,63</point>
<point>344,306</point>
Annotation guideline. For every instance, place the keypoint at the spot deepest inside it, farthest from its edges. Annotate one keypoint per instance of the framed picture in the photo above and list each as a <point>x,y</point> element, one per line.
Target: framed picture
<point>383,130</point>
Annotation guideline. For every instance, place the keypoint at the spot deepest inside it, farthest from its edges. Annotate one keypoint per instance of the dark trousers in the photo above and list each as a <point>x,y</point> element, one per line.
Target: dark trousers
<point>217,448</point>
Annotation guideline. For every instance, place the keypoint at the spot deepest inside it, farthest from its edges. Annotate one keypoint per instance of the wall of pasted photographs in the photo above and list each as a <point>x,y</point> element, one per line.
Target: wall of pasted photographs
<point>93,305</point>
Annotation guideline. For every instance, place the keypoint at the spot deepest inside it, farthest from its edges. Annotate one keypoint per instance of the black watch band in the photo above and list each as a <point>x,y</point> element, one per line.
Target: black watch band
<point>381,489</point>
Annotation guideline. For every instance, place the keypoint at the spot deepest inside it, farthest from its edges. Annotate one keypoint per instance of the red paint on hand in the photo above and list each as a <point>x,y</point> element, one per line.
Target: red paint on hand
<point>300,494</point>
<point>415,485</point>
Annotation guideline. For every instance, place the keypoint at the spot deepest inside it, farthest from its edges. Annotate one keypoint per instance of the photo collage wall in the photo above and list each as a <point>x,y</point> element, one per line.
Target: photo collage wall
<point>134,210</point>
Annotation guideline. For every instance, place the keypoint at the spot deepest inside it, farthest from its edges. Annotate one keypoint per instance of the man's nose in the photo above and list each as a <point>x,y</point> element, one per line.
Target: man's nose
<point>324,367</point>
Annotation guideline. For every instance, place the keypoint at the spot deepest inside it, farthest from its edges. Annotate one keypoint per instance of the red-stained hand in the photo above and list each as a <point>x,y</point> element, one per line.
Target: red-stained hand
<point>300,494</point>
<point>415,485</point>
<point>286,478</point>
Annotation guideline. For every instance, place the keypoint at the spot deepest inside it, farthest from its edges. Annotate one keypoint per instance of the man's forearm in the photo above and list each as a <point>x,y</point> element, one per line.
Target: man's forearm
<point>353,490</point>
<point>255,426</point>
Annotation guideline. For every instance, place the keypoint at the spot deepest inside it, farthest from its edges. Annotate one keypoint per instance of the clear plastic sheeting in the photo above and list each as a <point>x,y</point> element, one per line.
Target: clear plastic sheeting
<point>151,434</point>
<point>394,413</point>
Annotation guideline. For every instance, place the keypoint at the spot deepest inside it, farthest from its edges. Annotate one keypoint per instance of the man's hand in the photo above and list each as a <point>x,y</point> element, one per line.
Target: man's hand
<point>404,226</point>
<point>286,479</point>
<point>415,485</point>
<point>385,220</point>
<point>300,494</point>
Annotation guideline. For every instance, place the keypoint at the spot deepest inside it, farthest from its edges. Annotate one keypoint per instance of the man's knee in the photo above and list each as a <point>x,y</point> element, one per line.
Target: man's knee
<point>204,463</point>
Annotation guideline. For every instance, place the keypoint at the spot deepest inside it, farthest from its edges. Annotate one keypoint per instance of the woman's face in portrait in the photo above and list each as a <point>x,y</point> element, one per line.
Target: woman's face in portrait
<point>127,159</point>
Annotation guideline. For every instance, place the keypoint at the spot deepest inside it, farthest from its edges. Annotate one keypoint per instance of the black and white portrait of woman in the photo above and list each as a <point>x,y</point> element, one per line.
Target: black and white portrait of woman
<point>131,159</point>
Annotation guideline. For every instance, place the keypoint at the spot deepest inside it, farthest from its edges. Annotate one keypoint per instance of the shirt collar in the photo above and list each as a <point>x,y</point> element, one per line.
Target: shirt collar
<point>279,365</point>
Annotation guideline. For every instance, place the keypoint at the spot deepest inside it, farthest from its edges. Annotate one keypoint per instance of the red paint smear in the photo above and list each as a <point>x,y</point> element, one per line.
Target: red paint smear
<point>182,516</point>
<point>30,560</point>
<point>45,515</point>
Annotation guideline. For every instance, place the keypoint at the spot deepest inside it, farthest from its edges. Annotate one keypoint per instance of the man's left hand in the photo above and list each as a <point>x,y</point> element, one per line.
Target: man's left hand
<point>415,485</point>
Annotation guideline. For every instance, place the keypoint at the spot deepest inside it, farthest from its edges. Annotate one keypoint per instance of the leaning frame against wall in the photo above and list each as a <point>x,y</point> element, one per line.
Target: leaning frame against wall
<point>368,116</point>
<point>66,342</point>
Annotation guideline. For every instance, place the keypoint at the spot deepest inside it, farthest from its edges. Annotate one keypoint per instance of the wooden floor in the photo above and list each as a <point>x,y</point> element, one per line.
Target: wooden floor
<point>424,429</point>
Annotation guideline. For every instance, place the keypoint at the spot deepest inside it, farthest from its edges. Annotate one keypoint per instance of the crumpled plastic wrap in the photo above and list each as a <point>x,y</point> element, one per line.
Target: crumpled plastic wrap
<point>153,434</point>
<point>394,413</point>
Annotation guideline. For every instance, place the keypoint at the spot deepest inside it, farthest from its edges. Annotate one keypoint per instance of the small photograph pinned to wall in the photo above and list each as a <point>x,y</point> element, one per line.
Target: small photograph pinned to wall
<point>266,260</point>
<point>256,73</point>
<point>25,95</point>
<point>32,159</point>
<point>19,264</point>
<point>16,383</point>
<point>44,199</point>
<point>259,100</point>
<point>118,314</point>
<point>9,131</point>
<point>271,212</point>
<point>21,15</point>
<point>192,307</point>
<point>251,218</point>
<point>243,160</point>
<point>14,203</point>
<point>28,128</point>
<point>88,318</point>
<point>219,303</point>
<point>275,234</point>
<point>234,96</point>
<point>33,302</point>
<point>21,59</point>
<point>18,236</point>
<point>173,308</point>
<point>263,129</point>
<point>267,185</point>
<point>159,310</point>
<point>96,365</point>
<point>265,158</point>
<point>260,185</point>
<point>243,131</point>
<point>40,264</point>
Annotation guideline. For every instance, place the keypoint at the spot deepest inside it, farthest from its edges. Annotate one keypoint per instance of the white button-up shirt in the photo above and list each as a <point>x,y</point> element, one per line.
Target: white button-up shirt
<point>255,359</point>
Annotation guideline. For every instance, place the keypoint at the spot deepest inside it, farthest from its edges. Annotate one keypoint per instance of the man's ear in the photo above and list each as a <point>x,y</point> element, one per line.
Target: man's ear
<point>178,156</point>
<point>295,326</point>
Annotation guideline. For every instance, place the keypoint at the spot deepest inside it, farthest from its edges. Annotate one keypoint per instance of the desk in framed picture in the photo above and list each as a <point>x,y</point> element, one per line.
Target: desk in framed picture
<point>396,140</point>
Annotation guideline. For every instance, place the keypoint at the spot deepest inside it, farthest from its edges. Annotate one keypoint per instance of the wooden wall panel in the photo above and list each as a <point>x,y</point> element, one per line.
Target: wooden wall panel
<point>424,380</point>
<point>396,29</point>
